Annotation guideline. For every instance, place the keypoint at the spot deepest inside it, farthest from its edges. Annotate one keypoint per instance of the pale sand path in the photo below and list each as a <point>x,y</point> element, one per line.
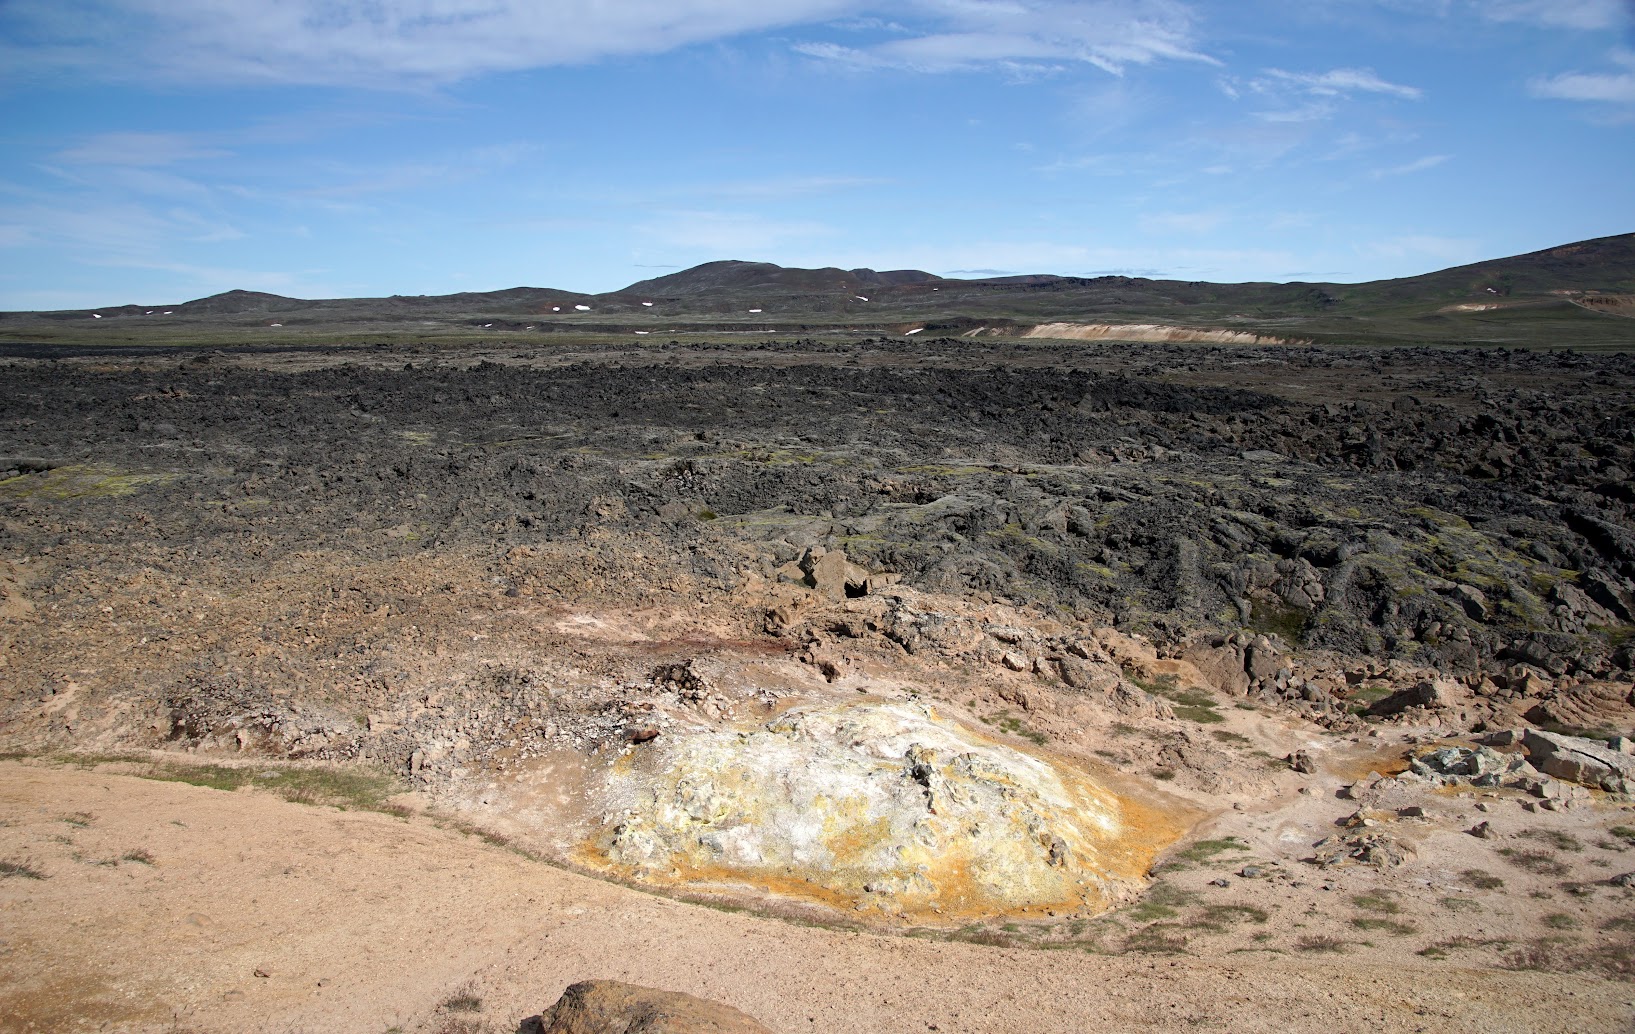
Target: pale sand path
<point>396,914</point>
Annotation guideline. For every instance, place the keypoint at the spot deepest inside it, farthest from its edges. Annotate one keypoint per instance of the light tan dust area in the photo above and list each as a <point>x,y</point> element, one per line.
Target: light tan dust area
<point>364,922</point>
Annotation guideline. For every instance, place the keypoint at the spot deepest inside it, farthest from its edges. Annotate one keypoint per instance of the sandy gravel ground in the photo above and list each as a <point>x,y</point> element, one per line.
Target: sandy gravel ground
<point>162,902</point>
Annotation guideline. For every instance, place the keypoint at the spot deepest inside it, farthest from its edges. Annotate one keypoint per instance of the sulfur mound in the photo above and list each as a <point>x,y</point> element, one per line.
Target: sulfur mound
<point>875,807</point>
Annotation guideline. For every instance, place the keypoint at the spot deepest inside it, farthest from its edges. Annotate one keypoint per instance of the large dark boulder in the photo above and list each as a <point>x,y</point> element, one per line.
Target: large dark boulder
<point>613,1007</point>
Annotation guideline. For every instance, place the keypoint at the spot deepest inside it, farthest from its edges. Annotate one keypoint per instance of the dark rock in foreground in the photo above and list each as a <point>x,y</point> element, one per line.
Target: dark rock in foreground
<point>613,1007</point>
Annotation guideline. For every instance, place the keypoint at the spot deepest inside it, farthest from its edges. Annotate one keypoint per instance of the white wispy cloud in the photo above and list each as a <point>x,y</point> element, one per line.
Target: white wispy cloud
<point>1047,256</point>
<point>366,42</point>
<point>412,43</point>
<point>1570,14</point>
<point>1311,111</point>
<point>1029,37</point>
<point>347,181</point>
<point>779,188</point>
<point>1430,161</point>
<point>1187,223</point>
<point>1311,96</point>
<point>1425,247</point>
<point>1340,82</point>
<point>731,234</point>
<point>1606,87</point>
<point>137,149</point>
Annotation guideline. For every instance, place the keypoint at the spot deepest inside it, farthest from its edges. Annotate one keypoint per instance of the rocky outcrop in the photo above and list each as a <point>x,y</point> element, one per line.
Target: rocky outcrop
<point>614,1007</point>
<point>1580,760</point>
<point>1432,694</point>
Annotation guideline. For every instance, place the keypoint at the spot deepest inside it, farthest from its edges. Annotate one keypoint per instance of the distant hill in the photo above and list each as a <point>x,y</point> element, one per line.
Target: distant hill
<point>1573,295</point>
<point>738,277</point>
<point>229,302</point>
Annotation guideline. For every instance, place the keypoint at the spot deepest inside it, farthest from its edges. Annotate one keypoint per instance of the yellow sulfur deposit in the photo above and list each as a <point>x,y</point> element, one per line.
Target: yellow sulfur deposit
<point>877,806</point>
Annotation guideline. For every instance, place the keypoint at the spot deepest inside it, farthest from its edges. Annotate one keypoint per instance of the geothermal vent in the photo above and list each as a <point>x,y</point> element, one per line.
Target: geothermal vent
<point>876,808</point>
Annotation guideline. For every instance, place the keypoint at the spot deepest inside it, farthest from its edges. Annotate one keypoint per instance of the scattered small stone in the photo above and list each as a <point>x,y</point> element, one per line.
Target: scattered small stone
<point>1483,831</point>
<point>1370,848</point>
<point>1301,762</point>
<point>1412,811</point>
<point>1251,872</point>
<point>262,972</point>
<point>1220,883</point>
<point>1483,806</point>
<point>1625,879</point>
<point>645,734</point>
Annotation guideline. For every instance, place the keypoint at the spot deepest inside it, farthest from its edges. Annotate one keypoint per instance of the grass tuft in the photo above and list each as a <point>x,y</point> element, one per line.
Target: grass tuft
<point>1541,863</point>
<point>1321,943</point>
<point>20,869</point>
<point>1383,902</point>
<point>465,999</point>
<point>1555,838</point>
<point>1390,926</point>
<point>1158,939</point>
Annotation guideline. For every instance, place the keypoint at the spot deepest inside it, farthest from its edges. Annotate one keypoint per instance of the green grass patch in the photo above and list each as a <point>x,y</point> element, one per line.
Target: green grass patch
<point>1541,863</point>
<point>1555,838</point>
<point>1007,722</point>
<point>1381,902</point>
<point>1368,696</point>
<point>1442,949</point>
<point>1220,916</point>
<point>1391,926</point>
<point>1194,705</point>
<point>1287,623</point>
<point>347,788</point>
<point>1561,921</point>
<point>1321,943</point>
<point>1481,880</point>
<point>1206,850</point>
<point>1158,939</point>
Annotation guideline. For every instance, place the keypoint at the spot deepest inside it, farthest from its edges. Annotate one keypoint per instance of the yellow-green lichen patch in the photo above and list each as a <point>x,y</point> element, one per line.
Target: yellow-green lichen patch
<point>81,481</point>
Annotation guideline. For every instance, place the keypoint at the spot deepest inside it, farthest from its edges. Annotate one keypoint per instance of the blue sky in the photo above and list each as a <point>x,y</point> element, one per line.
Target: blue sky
<point>159,150</point>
